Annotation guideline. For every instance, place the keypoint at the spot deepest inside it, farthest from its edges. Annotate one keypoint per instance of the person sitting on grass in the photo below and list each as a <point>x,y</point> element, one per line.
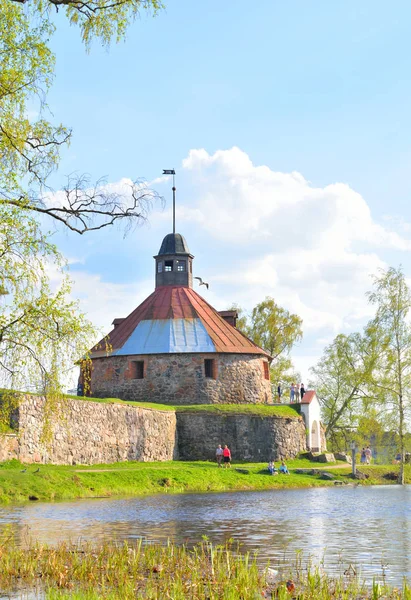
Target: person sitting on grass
<point>271,468</point>
<point>283,468</point>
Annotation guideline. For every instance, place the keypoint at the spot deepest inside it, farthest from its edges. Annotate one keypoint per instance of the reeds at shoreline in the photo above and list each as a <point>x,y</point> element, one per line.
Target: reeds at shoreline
<point>153,571</point>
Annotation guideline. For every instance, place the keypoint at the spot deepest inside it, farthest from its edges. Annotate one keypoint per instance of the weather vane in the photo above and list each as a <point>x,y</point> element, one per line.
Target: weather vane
<point>173,173</point>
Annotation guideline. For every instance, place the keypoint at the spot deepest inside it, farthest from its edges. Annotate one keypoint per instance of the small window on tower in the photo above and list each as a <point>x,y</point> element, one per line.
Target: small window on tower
<point>168,265</point>
<point>138,369</point>
<point>210,368</point>
<point>181,265</point>
<point>159,267</point>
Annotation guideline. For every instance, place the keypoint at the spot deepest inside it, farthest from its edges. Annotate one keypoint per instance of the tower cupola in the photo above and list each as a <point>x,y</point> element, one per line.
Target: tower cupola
<point>174,263</point>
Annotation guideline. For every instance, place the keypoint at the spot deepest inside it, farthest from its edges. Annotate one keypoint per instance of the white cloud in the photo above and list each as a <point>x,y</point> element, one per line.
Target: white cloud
<point>258,232</point>
<point>248,202</point>
<point>313,249</point>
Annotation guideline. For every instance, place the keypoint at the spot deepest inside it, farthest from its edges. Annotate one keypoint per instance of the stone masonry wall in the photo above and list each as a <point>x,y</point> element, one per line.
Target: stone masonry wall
<point>180,379</point>
<point>9,446</point>
<point>249,437</point>
<point>91,433</point>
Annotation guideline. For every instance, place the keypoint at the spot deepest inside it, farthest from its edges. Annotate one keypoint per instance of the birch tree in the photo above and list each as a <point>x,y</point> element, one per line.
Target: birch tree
<point>391,328</point>
<point>341,379</point>
<point>42,331</point>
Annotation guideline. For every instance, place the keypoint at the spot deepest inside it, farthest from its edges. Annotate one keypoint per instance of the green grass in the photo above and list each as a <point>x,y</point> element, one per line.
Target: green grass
<point>151,571</point>
<point>18,482</point>
<point>118,401</point>
<point>263,410</point>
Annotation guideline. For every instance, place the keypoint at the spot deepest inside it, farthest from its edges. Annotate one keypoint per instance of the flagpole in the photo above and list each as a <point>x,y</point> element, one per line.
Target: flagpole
<point>174,201</point>
<point>173,173</point>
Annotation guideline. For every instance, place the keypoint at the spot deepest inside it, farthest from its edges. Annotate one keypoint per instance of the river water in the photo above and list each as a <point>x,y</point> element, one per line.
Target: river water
<point>367,526</point>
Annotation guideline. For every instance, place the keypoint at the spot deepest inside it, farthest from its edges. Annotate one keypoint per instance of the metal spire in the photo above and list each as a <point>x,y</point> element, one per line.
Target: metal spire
<point>173,173</point>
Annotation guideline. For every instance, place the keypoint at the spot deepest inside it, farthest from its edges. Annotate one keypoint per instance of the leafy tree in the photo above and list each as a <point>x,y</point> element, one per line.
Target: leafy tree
<point>276,330</point>
<point>391,329</point>
<point>364,380</point>
<point>42,331</point>
<point>340,379</point>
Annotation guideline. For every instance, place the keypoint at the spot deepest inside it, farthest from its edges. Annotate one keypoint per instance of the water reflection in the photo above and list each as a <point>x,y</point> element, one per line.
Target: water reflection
<point>369,526</point>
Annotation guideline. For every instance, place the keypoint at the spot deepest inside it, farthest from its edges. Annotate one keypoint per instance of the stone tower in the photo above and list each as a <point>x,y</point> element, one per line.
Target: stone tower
<point>175,348</point>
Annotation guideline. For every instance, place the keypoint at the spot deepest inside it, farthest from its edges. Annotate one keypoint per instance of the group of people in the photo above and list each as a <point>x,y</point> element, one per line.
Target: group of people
<point>272,469</point>
<point>223,456</point>
<point>366,456</point>
<point>296,392</point>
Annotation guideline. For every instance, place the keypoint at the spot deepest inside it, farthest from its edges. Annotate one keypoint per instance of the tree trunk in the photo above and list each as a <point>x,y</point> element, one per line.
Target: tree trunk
<point>400,479</point>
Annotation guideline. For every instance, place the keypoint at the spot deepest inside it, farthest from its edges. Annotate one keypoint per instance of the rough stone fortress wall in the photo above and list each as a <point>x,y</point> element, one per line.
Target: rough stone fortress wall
<point>179,379</point>
<point>92,433</point>
<point>250,437</point>
<point>86,432</point>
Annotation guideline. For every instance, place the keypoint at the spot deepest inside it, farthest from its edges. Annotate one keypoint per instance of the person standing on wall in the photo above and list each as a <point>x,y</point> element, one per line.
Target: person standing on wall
<point>302,391</point>
<point>292,392</point>
<point>227,457</point>
<point>219,455</point>
<point>279,393</point>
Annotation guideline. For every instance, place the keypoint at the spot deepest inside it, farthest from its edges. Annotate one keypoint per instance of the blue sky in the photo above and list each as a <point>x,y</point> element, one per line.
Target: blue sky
<point>321,89</point>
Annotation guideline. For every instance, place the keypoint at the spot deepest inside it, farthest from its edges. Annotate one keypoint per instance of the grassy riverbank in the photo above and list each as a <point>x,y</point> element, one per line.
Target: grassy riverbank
<point>129,572</point>
<point>20,483</point>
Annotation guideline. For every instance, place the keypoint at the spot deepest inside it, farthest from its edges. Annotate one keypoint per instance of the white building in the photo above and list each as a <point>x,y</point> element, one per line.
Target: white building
<point>310,411</point>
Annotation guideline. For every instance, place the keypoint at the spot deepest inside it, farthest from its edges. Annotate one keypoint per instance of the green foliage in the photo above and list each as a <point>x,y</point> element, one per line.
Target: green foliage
<point>364,380</point>
<point>276,330</point>
<point>42,332</point>
<point>340,379</point>
<point>391,331</point>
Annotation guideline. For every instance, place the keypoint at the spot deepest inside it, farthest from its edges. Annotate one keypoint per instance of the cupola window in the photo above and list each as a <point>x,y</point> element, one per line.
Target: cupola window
<point>168,265</point>
<point>159,266</point>
<point>181,265</point>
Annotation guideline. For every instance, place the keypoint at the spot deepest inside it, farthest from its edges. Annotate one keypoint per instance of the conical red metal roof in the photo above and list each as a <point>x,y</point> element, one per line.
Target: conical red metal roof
<point>168,311</point>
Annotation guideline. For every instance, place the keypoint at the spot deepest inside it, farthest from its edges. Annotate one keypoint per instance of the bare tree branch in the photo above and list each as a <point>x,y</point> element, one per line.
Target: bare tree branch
<point>90,208</point>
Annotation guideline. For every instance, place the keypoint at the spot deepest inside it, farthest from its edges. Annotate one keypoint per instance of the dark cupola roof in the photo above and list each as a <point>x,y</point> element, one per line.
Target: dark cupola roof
<point>174,243</point>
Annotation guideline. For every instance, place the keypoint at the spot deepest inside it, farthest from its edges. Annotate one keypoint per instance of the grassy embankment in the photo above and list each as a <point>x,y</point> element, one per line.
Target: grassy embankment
<point>19,483</point>
<point>262,410</point>
<point>131,572</point>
